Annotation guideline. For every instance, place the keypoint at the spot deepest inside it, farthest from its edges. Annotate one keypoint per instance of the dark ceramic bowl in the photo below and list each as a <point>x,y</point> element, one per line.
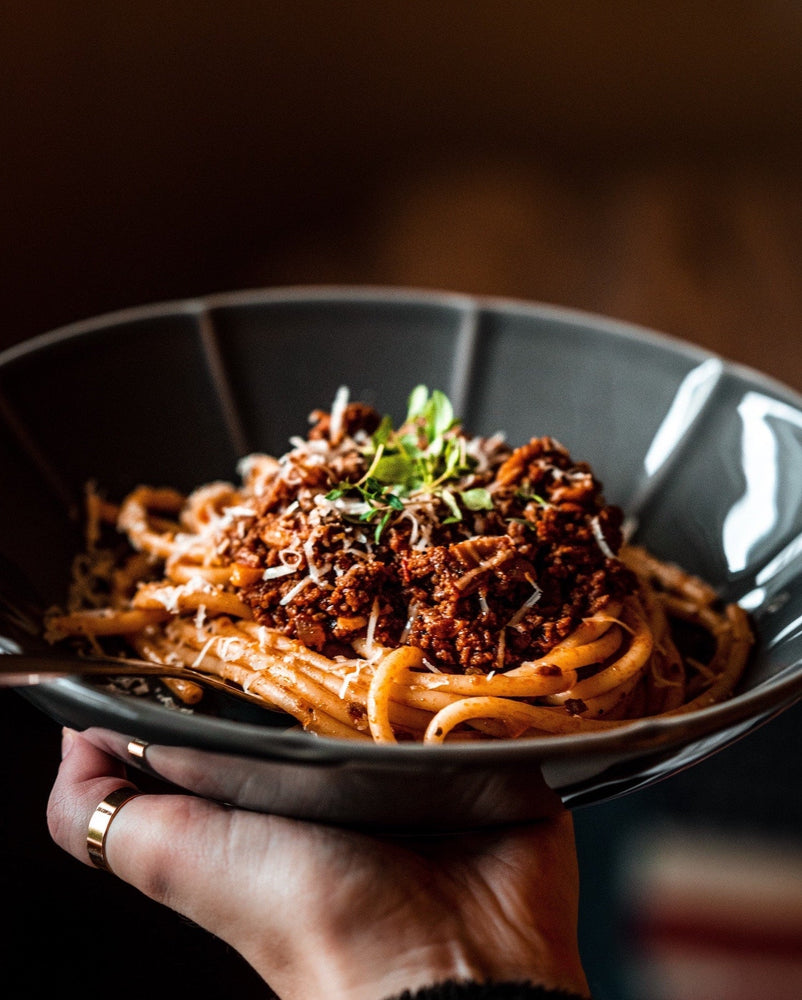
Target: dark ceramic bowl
<point>705,457</point>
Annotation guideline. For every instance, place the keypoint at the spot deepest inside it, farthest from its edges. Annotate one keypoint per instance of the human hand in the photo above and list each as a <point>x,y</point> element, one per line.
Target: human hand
<point>325,911</point>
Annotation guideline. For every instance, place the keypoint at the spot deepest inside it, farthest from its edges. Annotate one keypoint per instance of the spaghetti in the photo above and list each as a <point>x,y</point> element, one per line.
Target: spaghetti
<point>409,583</point>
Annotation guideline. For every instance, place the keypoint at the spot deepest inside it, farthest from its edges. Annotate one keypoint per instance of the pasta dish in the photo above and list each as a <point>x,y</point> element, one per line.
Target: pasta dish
<point>405,583</point>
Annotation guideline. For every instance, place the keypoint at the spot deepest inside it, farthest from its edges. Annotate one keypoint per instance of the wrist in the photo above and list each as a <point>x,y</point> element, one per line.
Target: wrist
<point>395,972</point>
<point>375,975</point>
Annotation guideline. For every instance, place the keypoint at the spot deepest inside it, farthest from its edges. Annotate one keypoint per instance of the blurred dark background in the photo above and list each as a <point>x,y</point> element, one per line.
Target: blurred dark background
<point>641,161</point>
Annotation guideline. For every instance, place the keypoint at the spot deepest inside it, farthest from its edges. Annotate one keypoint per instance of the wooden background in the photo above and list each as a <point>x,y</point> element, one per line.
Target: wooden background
<point>637,160</point>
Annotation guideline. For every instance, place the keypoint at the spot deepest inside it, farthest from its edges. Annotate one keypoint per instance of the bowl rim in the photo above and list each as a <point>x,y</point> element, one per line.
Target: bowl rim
<point>760,703</point>
<point>172,727</point>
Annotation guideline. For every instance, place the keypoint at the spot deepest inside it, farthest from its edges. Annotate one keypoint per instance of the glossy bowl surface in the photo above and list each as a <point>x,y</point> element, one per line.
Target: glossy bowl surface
<point>704,456</point>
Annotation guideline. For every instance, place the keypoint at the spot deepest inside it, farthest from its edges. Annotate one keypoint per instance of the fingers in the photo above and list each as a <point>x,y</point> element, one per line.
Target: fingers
<point>233,872</point>
<point>158,843</point>
<point>280,891</point>
<point>85,778</point>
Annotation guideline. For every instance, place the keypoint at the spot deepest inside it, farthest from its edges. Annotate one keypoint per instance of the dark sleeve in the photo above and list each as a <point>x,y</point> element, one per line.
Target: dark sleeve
<point>485,991</point>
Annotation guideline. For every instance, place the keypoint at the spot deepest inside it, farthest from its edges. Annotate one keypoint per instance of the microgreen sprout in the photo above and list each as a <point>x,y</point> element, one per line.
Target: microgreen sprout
<point>425,457</point>
<point>526,495</point>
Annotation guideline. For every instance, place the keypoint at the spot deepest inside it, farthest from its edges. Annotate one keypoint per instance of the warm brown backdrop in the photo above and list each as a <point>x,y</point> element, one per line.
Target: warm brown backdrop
<point>638,160</point>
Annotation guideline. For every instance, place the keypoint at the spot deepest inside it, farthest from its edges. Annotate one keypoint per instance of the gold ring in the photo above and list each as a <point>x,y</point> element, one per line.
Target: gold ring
<point>100,822</point>
<point>136,748</point>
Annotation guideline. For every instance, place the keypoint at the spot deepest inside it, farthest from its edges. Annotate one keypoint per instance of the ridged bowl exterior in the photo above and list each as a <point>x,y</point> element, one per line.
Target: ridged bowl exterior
<point>704,456</point>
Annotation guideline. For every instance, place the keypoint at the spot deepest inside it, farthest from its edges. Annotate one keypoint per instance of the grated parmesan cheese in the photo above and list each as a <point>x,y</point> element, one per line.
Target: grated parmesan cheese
<point>598,534</point>
<point>337,414</point>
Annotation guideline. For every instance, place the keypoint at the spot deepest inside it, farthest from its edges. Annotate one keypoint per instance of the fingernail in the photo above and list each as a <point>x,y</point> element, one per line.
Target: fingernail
<point>67,741</point>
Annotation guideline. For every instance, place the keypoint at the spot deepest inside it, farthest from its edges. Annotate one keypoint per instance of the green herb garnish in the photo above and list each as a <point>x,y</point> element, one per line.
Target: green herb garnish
<point>426,455</point>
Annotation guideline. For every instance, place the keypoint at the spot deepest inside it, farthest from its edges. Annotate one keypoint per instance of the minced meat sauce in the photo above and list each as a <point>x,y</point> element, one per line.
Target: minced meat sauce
<point>490,561</point>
